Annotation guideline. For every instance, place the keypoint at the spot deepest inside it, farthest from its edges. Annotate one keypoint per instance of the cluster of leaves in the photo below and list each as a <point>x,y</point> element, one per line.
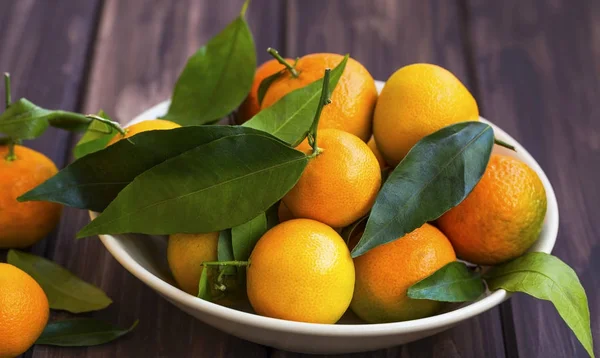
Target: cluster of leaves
<point>66,292</point>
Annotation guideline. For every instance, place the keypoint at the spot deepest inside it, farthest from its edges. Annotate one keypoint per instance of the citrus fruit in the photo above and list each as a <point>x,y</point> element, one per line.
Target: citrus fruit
<point>339,185</point>
<point>149,125</point>
<point>373,146</point>
<point>24,311</point>
<point>501,218</point>
<point>283,213</point>
<point>353,99</point>
<point>416,101</point>
<point>186,253</point>
<point>24,224</point>
<point>250,107</point>
<point>384,274</point>
<point>301,270</point>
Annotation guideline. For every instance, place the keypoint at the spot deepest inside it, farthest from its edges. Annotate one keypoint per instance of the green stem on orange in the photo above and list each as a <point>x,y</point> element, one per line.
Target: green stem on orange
<point>281,60</point>
<point>108,122</point>
<point>504,144</point>
<point>227,263</point>
<point>8,98</point>
<point>323,101</point>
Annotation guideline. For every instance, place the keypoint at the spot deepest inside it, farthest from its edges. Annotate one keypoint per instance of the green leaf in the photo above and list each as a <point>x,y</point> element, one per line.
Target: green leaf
<point>217,78</point>
<point>290,118</point>
<point>24,120</point>
<point>94,180</point>
<point>212,187</point>
<point>546,277</point>
<point>349,230</point>
<point>272,216</point>
<point>454,282</point>
<point>96,137</point>
<point>64,290</point>
<point>81,332</point>
<point>436,175</point>
<point>266,83</point>
<point>245,236</point>
<point>225,251</point>
<point>204,291</point>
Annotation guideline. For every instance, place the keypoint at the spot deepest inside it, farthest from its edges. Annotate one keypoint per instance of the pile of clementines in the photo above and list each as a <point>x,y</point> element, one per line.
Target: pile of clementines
<point>301,269</point>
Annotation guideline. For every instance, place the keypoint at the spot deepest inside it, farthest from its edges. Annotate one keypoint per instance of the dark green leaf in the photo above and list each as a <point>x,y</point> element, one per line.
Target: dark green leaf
<point>81,332</point>
<point>225,250</point>
<point>214,186</point>
<point>96,137</point>
<point>94,180</point>
<point>436,175</point>
<point>69,121</point>
<point>65,291</point>
<point>24,120</point>
<point>454,282</point>
<point>546,277</point>
<point>245,236</point>
<point>204,290</point>
<point>272,216</point>
<point>217,78</point>
<point>349,230</point>
<point>290,118</point>
<point>266,83</point>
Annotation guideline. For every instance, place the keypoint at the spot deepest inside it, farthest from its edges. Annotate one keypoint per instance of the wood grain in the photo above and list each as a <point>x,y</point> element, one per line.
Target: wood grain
<point>141,48</point>
<point>538,66</point>
<point>384,36</point>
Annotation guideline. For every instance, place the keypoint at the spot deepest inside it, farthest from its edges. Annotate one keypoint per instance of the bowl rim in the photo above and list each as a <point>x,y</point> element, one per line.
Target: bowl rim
<point>363,330</point>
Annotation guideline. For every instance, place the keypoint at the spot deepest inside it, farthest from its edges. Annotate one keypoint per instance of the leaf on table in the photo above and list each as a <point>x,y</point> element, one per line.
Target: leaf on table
<point>81,332</point>
<point>215,186</point>
<point>244,237</point>
<point>290,118</point>
<point>546,277</point>
<point>217,78</point>
<point>436,175</point>
<point>225,251</point>
<point>24,120</point>
<point>96,137</point>
<point>454,282</point>
<point>64,290</point>
<point>93,181</point>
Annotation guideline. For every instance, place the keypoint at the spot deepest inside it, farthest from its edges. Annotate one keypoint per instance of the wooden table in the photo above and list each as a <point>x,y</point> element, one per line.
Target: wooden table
<point>533,67</point>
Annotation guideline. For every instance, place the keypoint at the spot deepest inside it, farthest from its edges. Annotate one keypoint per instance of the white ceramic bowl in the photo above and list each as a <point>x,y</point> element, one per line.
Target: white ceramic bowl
<point>146,259</point>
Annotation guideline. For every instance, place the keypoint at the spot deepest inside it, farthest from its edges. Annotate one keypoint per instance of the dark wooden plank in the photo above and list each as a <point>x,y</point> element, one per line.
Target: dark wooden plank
<point>385,35</point>
<point>537,66</point>
<point>141,47</point>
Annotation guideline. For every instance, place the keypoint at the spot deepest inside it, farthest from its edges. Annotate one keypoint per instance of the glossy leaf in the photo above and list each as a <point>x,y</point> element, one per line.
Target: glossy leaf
<point>266,83</point>
<point>436,175</point>
<point>96,137</point>
<point>24,120</point>
<point>81,332</point>
<point>64,290</point>
<point>217,78</point>
<point>546,277</point>
<point>454,282</point>
<point>244,237</point>
<point>225,251</point>
<point>214,186</point>
<point>204,291</point>
<point>94,180</point>
<point>290,118</point>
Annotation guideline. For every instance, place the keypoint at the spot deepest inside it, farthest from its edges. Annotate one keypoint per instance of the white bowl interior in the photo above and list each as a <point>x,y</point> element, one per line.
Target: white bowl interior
<point>146,259</point>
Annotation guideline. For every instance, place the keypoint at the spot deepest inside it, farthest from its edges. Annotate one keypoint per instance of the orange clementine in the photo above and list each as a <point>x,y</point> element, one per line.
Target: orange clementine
<point>149,125</point>
<point>502,217</point>
<point>384,274</point>
<point>373,146</point>
<point>250,107</point>
<point>186,253</point>
<point>24,311</point>
<point>353,100</point>
<point>24,224</point>
<point>301,270</point>
<point>416,101</point>
<point>340,184</point>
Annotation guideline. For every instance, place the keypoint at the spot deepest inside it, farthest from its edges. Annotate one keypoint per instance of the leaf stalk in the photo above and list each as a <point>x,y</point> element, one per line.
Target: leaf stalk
<point>281,60</point>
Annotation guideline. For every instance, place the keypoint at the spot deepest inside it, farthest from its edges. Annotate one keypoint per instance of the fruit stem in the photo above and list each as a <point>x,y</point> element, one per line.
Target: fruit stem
<point>323,101</point>
<point>281,60</point>
<point>504,144</point>
<point>108,122</point>
<point>8,98</point>
<point>226,263</point>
